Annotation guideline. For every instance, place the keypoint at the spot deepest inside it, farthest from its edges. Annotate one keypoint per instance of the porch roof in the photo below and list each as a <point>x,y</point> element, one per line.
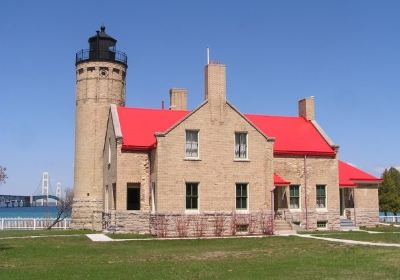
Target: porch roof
<point>279,181</point>
<point>350,176</point>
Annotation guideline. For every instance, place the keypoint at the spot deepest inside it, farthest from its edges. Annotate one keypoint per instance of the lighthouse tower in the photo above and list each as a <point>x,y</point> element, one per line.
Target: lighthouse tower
<point>100,82</point>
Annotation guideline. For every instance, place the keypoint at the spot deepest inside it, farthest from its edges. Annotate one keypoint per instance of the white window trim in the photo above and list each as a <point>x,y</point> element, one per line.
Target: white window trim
<point>300,204</point>
<point>247,210</point>
<point>247,146</point>
<point>193,211</point>
<point>198,145</point>
<point>324,209</point>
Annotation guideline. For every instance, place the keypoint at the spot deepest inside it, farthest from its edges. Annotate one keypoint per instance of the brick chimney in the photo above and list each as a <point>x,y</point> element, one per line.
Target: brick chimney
<point>306,108</point>
<point>178,99</point>
<point>215,89</point>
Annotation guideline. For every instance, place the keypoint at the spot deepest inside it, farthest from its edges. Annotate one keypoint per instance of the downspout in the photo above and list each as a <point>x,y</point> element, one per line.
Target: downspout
<point>272,210</point>
<point>305,190</point>
<point>354,205</point>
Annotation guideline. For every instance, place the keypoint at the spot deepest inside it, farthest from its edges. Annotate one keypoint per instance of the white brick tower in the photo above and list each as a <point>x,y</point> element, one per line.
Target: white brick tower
<point>100,82</point>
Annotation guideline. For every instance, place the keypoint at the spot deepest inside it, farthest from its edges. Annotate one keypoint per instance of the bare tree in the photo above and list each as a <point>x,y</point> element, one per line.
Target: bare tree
<point>219,224</point>
<point>64,207</point>
<point>182,225</point>
<point>3,175</point>
<point>200,225</point>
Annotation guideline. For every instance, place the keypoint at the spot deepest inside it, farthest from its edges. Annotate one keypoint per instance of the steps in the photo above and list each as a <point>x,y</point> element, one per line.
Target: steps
<point>282,227</point>
<point>347,225</point>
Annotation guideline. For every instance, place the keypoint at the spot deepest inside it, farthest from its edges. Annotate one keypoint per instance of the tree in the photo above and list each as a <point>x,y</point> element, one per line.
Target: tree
<point>389,192</point>
<point>64,207</point>
<point>3,175</point>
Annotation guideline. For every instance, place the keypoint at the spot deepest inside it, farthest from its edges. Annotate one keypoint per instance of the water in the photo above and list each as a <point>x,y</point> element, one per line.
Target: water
<point>28,212</point>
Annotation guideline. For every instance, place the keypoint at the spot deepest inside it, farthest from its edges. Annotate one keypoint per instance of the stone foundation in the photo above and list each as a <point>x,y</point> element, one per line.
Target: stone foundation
<point>87,214</point>
<point>204,224</point>
<point>367,217</point>
<point>332,219</point>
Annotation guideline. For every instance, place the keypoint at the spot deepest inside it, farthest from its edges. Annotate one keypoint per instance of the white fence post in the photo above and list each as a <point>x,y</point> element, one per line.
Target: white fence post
<point>34,224</point>
<point>2,224</point>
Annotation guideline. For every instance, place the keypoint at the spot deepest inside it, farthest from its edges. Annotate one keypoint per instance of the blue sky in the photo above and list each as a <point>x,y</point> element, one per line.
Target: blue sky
<point>345,53</point>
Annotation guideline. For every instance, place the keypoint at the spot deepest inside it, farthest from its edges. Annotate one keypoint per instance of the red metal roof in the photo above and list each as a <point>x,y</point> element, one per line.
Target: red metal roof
<point>350,175</point>
<point>279,181</point>
<point>138,126</point>
<point>294,135</point>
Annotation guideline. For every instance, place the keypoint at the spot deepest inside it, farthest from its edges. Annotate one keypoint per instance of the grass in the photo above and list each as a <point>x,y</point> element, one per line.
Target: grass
<point>76,257</point>
<point>388,237</point>
<point>384,229</point>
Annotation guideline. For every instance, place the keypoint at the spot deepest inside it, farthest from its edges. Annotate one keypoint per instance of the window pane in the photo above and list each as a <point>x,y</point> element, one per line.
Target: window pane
<point>191,195</point>
<point>244,190</point>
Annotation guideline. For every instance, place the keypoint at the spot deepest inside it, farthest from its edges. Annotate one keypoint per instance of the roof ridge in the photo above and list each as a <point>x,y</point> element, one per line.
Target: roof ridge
<point>279,116</point>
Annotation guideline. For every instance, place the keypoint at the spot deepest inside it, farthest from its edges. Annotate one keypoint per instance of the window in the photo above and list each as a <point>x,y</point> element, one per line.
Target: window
<point>192,196</point>
<point>294,196</point>
<point>321,224</point>
<point>241,196</point>
<point>192,144</point>
<point>321,196</point>
<point>133,197</point>
<point>241,145</point>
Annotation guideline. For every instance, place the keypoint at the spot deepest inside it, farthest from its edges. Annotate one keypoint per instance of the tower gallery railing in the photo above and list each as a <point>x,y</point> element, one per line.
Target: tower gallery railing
<point>107,55</point>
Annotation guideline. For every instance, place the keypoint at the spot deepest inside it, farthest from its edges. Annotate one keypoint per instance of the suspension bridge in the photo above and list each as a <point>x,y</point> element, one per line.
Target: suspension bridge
<point>44,195</point>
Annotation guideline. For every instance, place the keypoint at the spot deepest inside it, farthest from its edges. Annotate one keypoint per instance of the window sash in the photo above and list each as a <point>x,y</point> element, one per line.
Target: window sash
<point>321,196</point>
<point>294,192</point>
<point>192,143</point>
<point>240,145</point>
<point>241,196</point>
<point>192,195</point>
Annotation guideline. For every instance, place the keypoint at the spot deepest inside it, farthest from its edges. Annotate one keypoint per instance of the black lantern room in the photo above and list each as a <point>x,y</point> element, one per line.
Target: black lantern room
<point>102,47</point>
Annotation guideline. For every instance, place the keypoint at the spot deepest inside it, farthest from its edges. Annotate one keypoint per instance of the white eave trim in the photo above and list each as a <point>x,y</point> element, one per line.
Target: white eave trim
<point>115,119</point>
<point>323,133</point>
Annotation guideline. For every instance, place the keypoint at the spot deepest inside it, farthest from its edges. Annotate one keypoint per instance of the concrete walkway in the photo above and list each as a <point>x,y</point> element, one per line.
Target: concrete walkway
<point>352,242</point>
<point>99,237</point>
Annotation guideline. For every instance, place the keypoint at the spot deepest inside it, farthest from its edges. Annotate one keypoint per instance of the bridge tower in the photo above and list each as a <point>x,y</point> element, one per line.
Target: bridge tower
<point>45,188</point>
<point>100,82</point>
<point>58,191</point>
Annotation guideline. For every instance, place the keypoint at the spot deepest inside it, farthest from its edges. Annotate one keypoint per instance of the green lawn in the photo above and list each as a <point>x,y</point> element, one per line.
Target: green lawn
<point>76,257</point>
<point>384,229</point>
<point>387,237</point>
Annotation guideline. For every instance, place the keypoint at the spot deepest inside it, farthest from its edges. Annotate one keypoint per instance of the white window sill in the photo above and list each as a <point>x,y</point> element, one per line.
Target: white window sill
<point>192,211</point>
<point>241,159</point>
<point>192,159</point>
<point>294,209</point>
<point>321,210</point>
<point>242,211</point>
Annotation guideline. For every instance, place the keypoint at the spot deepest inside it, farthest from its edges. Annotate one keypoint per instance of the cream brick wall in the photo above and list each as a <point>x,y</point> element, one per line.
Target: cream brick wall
<point>216,169</point>
<point>366,202</point>
<point>320,171</point>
